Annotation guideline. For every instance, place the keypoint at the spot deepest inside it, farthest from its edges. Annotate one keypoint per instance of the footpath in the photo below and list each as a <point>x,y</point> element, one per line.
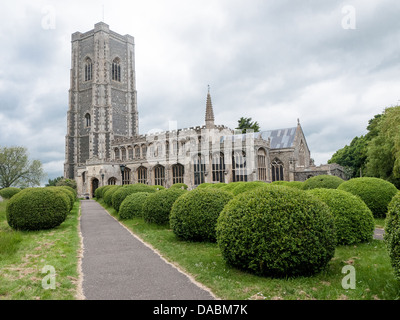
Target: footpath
<point>118,266</point>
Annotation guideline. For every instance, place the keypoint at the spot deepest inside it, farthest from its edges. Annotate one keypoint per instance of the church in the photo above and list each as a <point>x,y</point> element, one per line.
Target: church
<point>103,145</point>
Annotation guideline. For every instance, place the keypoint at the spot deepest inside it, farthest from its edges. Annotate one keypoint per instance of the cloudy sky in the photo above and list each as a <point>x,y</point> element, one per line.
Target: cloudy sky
<point>333,64</point>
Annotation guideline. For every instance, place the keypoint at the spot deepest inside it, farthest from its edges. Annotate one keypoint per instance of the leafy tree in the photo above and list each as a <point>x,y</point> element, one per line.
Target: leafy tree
<point>53,182</point>
<point>67,182</point>
<point>245,124</point>
<point>16,169</point>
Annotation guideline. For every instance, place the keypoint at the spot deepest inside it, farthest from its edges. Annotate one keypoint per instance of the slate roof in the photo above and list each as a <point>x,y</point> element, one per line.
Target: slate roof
<point>280,138</point>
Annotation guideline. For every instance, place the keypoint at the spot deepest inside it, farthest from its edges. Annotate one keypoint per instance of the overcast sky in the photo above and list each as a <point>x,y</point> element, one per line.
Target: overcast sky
<point>332,64</point>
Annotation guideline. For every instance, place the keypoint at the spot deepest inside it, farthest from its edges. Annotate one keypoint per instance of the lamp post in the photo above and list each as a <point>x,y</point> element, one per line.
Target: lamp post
<point>122,167</point>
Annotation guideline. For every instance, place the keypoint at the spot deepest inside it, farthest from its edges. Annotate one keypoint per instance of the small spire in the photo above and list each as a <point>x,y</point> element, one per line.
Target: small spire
<point>209,111</point>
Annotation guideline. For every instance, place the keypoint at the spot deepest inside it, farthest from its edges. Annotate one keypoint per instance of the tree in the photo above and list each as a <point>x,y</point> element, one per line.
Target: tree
<point>53,182</point>
<point>67,182</point>
<point>245,124</point>
<point>17,170</point>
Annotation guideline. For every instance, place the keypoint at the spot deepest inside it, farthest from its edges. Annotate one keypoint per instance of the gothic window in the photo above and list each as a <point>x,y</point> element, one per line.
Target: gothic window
<point>277,170</point>
<point>144,150</point>
<point>262,165</point>
<point>130,153</point>
<point>178,172</point>
<point>159,175</point>
<point>116,154</point>
<point>175,148</point>
<point>112,181</point>
<point>199,168</point>
<point>116,70</point>
<point>137,152</point>
<point>88,121</point>
<point>142,175</point>
<point>123,154</point>
<point>218,167</point>
<point>239,170</point>
<point>126,176</point>
<point>88,69</point>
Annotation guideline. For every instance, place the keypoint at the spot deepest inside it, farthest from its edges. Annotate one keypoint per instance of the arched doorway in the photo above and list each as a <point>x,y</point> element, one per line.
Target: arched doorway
<point>95,185</point>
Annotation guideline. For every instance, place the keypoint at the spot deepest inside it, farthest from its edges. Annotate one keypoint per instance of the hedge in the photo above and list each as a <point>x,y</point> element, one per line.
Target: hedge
<point>107,194</point>
<point>132,206</point>
<point>157,206</point>
<point>179,186</point>
<point>322,181</point>
<point>376,193</point>
<point>194,215</point>
<point>353,219</point>
<point>37,209</point>
<point>246,186</point>
<point>293,184</point>
<point>392,234</point>
<point>7,193</point>
<point>277,231</point>
<point>121,193</point>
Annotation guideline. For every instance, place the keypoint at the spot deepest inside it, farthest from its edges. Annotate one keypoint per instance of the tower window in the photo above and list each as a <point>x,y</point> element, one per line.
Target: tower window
<point>88,69</point>
<point>88,121</point>
<point>116,70</point>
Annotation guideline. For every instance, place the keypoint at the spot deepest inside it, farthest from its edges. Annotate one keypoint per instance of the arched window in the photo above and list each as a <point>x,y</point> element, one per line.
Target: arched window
<point>116,154</point>
<point>137,152</point>
<point>262,165</point>
<point>239,170</point>
<point>126,176</point>
<point>159,175</point>
<point>277,170</point>
<point>178,172</point>
<point>142,175</point>
<point>144,151</point>
<point>199,168</point>
<point>130,153</point>
<point>88,121</point>
<point>88,69</point>
<point>218,167</point>
<point>112,181</point>
<point>116,70</point>
<point>123,154</point>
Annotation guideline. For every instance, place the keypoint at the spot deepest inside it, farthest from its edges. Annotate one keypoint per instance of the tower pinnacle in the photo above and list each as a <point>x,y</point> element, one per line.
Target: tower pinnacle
<point>209,112</point>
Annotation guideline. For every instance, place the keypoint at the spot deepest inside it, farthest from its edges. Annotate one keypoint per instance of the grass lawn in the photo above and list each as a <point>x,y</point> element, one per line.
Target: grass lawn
<point>23,255</point>
<point>374,274</point>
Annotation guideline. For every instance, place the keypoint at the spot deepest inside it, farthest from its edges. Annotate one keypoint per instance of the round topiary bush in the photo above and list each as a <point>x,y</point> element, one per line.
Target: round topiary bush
<point>376,193</point>
<point>75,194</point>
<point>179,186</point>
<point>70,194</point>
<point>37,209</point>
<point>322,181</point>
<point>246,186</point>
<point>157,187</point>
<point>132,206</point>
<point>99,192</point>
<point>353,219</point>
<point>292,184</point>
<point>194,215</point>
<point>107,195</point>
<point>204,185</point>
<point>7,193</point>
<point>232,185</point>
<point>392,234</point>
<point>277,231</point>
<point>120,194</point>
<point>157,207</point>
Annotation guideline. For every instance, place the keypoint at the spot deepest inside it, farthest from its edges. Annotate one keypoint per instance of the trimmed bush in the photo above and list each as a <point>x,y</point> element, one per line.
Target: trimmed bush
<point>353,219</point>
<point>322,181</point>
<point>392,234</point>
<point>376,193</point>
<point>292,184</point>
<point>157,207</point>
<point>277,231</point>
<point>37,209</point>
<point>158,187</point>
<point>75,194</point>
<point>179,186</point>
<point>194,215</point>
<point>204,185</point>
<point>218,185</point>
<point>132,206</point>
<point>70,194</point>
<point>99,192</point>
<point>119,195</point>
<point>246,186</point>
<point>7,193</point>
<point>232,185</point>
<point>107,195</point>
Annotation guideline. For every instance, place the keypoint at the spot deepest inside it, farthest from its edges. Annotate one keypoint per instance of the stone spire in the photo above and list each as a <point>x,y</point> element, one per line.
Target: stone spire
<point>209,112</point>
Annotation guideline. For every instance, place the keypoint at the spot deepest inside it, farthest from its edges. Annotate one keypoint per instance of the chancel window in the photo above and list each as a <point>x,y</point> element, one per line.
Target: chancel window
<point>126,176</point>
<point>262,165</point>
<point>218,167</point>
<point>239,166</point>
<point>199,168</point>
<point>277,170</point>
<point>178,172</point>
<point>142,175</point>
<point>159,175</point>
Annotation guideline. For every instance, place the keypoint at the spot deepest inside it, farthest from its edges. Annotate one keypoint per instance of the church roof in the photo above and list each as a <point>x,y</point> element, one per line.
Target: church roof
<point>280,138</point>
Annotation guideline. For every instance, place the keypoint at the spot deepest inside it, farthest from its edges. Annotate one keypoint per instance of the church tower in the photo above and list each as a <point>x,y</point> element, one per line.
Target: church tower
<point>102,96</point>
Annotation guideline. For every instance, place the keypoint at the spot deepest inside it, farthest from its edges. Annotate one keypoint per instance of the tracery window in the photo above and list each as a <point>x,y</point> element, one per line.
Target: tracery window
<point>178,172</point>
<point>239,169</point>
<point>199,169</point>
<point>218,167</point>
<point>126,176</point>
<point>277,170</point>
<point>112,181</point>
<point>142,175</point>
<point>262,165</point>
<point>116,70</point>
<point>159,175</point>
<point>88,69</point>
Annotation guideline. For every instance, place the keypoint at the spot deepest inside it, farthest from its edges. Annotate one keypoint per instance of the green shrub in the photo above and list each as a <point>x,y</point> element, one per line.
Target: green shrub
<point>158,187</point>
<point>218,185</point>
<point>107,195</point>
<point>71,190</point>
<point>99,192</point>
<point>277,231</point>
<point>67,182</point>
<point>322,181</point>
<point>194,215</point>
<point>37,208</point>
<point>70,194</point>
<point>292,184</point>
<point>246,186</point>
<point>119,195</point>
<point>204,185</point>
<point>232,185</point>
<point>353,219</point>
<point>376,193</point>
<point>132,206</point>
<point>157,207</point>
<point>179,186</point>
<point>392,234</point>
<point>7,193</point>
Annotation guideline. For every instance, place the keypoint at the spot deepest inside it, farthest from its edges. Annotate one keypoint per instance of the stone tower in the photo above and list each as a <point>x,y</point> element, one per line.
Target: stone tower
<point>102,96</point>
